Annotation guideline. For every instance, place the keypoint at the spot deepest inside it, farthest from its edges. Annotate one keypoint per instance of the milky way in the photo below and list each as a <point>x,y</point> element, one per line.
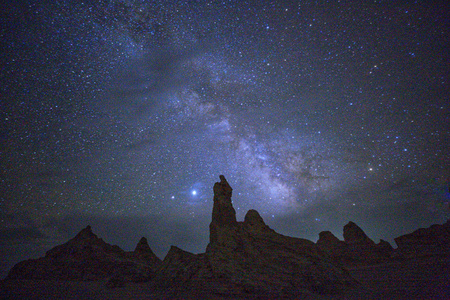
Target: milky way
<point>123,114</point>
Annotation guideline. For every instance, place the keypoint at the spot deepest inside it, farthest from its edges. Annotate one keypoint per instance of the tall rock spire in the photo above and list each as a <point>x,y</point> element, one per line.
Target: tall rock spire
<point>223,214</point>
<point>223,211</point>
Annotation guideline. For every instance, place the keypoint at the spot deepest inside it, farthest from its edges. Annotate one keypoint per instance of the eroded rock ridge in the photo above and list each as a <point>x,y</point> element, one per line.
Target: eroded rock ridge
<point>243,259</point>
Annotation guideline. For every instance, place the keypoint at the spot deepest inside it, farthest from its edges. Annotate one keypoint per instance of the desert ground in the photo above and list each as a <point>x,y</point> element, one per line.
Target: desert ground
<point>424,278</point>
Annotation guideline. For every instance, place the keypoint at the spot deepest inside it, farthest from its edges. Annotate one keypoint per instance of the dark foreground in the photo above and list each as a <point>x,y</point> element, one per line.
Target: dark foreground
<point>424,278</point>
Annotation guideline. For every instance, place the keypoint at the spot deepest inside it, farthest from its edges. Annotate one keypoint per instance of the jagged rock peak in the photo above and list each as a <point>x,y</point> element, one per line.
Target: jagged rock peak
<point>142,246</point>
<point>145,253</point>
<point>176,254</point>
<point>353,233</point>
<point>85,233</point>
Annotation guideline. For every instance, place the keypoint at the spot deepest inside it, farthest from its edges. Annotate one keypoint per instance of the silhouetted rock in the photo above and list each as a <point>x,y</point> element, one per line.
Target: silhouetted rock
<point>249,258</point>
<point>145,253</point>
<point>327,239</point>
<point>384,247</point>
<point>181,268</point>
<point>354,234</point>
<point>244,260</point>
<point>85,246</point>
<point>357,248</point>
<point>223,211</point>
<point>87,257</point>
<point>334,247</point>
<point>223,215</point>
<point>252,257</point>
<point>254,222</point>
<point>142,247</point>
<point>360,248</point>
<point>434,240</point>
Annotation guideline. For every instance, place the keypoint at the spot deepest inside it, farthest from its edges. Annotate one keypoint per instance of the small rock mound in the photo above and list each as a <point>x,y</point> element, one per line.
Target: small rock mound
<point>327,239</point>
<point>253,221</point>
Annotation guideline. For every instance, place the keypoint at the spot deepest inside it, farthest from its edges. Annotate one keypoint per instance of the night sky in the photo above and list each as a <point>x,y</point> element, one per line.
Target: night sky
<point>123,114</point>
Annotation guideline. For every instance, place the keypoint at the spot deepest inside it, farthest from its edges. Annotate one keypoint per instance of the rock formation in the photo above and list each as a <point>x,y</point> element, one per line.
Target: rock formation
<point>434,240</point>
<point>249,258</point>
<point>357,248</point>
<point>223,214</point>
<point>355,235</point>
<point>88,257</point>
<point>385,247</point>
<point>145,254</point>
<point>334,247</point>
<point>242,260</point>
<point>254,258</point>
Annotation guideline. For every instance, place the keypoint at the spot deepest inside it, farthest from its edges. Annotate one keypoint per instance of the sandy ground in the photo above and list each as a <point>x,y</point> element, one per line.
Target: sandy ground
<point>413,279</point>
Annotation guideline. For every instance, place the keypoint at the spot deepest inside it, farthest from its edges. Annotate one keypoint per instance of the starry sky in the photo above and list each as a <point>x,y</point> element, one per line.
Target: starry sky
<point>122,114</point>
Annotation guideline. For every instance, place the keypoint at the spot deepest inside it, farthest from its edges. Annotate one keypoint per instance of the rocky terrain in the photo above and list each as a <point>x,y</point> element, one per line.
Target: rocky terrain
<point>357,248</point>
<point>242,260</point>
<point>88,257</point>
<point>249,258</point>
